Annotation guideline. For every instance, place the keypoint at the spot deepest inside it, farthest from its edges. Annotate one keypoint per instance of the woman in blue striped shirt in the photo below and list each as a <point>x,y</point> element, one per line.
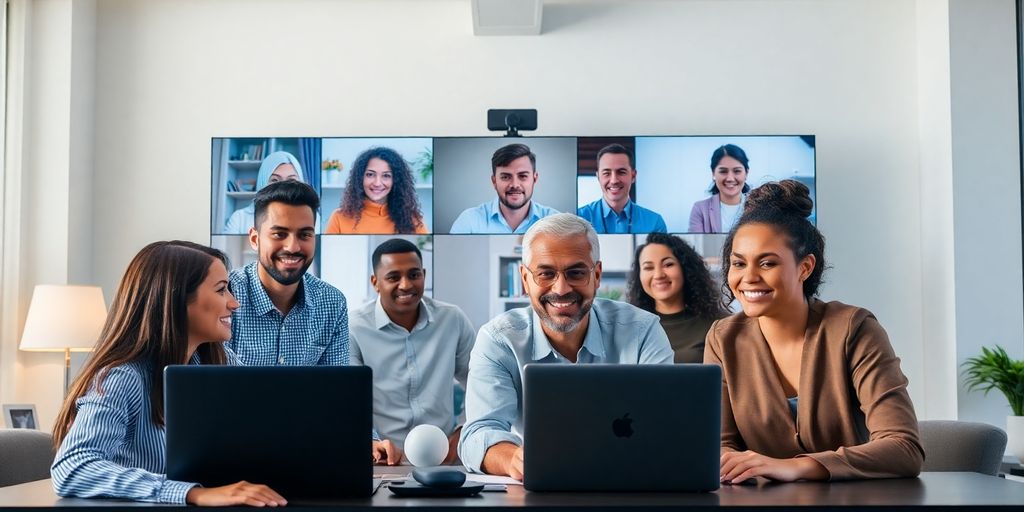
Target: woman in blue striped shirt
<point>173,306</point>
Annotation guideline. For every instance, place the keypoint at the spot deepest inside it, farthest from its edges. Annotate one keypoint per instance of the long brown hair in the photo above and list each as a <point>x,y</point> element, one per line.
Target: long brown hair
<point>148,321</point>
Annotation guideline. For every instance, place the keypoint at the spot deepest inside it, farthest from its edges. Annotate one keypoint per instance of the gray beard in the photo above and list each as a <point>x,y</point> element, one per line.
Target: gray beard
<point>571,325</point>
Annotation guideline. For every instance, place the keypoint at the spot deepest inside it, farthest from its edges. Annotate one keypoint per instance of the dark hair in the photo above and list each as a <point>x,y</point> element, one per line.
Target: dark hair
<point>784,206</point>
<point>506,154</point>
<point>148,321</point>
<point>735,152</point>
<point>616,149</point>
<point>699,294</point>
<point>394,246</point>
<point>290,192</point>
<point>403,206</point>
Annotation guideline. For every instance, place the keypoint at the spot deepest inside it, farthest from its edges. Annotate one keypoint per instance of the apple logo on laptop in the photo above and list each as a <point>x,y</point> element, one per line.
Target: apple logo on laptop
<point>623,427</point>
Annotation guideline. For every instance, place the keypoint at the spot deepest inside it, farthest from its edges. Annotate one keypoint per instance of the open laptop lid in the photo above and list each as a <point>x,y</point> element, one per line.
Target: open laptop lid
<point>606,427</point>
<point>304,431</point>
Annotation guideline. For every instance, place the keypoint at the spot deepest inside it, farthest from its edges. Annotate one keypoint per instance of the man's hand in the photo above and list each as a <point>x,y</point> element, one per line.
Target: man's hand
<point>739,466</point>
<point>241,493</point>
<point>453,447</point>
<point>504,458</point>
<point>385,452</point>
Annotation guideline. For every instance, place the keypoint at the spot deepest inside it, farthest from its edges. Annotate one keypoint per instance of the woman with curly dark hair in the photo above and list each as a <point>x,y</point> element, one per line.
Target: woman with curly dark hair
<point>670,279</point>
<point>380,197</point>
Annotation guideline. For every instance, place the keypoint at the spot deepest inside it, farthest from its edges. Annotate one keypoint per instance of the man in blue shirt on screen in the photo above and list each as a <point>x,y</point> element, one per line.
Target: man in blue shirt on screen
<point>513,175</point>
<point>286,316</point>
<point>615,212</point>
<point>565,324</point>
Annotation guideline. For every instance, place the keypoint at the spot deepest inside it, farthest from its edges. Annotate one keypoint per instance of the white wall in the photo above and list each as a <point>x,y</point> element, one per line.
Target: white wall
<point>836,69</point>
<point>171,74</point>
<point>987,189</point>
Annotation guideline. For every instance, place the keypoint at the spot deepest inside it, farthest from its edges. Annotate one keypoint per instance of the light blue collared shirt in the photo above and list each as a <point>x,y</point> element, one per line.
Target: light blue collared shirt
<point>633,219</point>
<point>617,333</point>
<point>487,219</point>
<point>414,373</point>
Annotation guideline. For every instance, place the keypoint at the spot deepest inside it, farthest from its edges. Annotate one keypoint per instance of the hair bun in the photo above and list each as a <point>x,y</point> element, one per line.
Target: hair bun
<point>786,196</point>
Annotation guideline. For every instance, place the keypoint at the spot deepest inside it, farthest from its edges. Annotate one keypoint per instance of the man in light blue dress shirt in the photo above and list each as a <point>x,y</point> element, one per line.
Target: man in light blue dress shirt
<point>513,175</point>
<point>615,212</point>
<point>417,347</point>
<point>565,324</point>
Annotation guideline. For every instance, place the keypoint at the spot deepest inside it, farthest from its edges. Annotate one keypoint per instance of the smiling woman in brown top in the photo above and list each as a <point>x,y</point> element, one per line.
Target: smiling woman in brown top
<point>810,390</point>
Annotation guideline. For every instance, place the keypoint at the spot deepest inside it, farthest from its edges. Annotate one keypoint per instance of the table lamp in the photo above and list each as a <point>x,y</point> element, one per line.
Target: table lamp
<point>62,318</point>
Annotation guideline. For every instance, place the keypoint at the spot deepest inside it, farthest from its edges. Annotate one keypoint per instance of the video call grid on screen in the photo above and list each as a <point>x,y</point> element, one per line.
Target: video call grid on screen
<point>449,175</point>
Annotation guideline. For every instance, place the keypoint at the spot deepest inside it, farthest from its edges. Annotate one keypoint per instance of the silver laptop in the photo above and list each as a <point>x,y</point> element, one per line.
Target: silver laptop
<point>618,427</point>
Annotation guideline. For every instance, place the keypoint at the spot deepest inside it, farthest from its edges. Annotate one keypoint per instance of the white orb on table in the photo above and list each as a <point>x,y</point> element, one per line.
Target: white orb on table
<point>426,445</point>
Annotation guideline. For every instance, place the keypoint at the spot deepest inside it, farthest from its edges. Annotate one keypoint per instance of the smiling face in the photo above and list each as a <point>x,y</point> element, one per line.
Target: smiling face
<point>285,242</point>
<point>561,304</point>
<point>514,182</point>
<point>284,172</point>
<point>209,312</point>
<point>764,274</point>
<point>399,279</point>
<point>378,180</point>
<point>661,277</point>
<point>730,176</point>
<point>616,177</point>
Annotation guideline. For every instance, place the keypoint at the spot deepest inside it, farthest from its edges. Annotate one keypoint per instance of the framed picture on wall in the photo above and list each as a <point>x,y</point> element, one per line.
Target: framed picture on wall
<point>21,416</point>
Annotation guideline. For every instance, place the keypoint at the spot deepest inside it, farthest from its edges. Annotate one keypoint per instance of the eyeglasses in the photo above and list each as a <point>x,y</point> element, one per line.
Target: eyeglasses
<point>576,276</point>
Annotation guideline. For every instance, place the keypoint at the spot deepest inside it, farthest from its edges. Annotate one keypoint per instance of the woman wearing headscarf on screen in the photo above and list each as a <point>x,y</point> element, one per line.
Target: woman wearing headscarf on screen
<point>670,279</point>
<point>811,390</point>
<point>380,197</point>
<point>173,306</point>
<point>718,213</point>
<point>277,166</point>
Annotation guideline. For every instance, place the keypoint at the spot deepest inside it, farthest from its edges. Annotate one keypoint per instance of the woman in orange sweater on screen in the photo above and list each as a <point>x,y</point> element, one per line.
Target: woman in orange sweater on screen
<point>379,197</point>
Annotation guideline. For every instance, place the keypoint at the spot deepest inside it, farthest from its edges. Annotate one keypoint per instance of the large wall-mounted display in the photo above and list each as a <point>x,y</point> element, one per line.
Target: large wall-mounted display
<point>465,201</point>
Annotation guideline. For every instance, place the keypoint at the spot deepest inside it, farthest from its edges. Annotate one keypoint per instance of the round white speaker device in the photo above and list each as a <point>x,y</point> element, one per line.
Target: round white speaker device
<point>426,445</point>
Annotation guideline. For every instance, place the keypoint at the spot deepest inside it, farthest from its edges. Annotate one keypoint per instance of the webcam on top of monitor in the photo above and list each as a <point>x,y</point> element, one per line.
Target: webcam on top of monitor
<point>511,120</point>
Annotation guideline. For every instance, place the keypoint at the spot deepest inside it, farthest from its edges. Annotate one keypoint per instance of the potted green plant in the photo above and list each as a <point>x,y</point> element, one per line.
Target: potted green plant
<point>424,164</point>
<point>996,369</point>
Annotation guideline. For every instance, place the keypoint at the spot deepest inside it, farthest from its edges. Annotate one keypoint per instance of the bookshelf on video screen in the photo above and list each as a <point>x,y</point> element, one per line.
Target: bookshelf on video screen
<point>442,193</point>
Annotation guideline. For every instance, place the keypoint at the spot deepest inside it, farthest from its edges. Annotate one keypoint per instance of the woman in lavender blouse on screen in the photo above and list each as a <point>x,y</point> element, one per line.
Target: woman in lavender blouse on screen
<point>718,213</point>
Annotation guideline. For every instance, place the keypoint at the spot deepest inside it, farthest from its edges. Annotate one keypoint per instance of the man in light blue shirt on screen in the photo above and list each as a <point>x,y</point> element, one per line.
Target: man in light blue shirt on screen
<point>417,347</point>
<point>615,212</point>
<point>565,324</point>
<point>513,175</point>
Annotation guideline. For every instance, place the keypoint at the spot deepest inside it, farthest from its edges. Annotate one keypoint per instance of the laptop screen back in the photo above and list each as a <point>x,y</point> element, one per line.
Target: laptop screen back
<point>304,431</point>
<point>622,427</point>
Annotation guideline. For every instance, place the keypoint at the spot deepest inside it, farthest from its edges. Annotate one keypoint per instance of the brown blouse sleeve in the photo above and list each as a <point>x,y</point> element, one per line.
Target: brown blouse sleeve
<point>731,439</point>
<point>893,448</point>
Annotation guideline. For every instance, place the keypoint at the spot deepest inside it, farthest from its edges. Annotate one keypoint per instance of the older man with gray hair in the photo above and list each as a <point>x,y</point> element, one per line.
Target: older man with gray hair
<point>565,324</point>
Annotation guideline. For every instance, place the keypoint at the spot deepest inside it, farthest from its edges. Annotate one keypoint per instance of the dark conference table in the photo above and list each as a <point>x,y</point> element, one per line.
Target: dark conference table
<point>940,491</point>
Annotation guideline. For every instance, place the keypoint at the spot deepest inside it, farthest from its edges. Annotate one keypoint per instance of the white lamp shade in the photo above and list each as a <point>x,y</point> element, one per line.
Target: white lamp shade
<point>64,317</point>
